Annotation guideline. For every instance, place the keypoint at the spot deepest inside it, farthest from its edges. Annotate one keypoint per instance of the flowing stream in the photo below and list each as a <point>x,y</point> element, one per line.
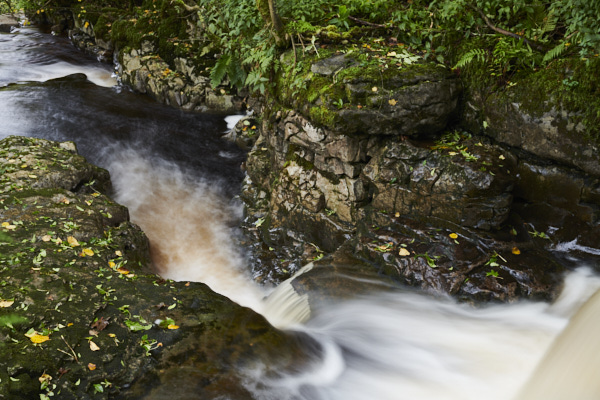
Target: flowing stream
<point>179,180</point>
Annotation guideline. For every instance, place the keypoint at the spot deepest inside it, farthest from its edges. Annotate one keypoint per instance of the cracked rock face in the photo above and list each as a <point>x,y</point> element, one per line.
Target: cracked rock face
<point>472,189</point>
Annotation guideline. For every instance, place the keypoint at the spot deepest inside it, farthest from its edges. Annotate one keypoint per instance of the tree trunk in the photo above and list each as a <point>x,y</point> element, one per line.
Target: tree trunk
<point>268,11</point>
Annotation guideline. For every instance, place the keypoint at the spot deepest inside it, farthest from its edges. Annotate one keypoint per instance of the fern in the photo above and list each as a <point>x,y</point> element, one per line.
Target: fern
<point>470,56</point>
<point>218,72</point>
<point>235,72</point>
<point>555,52</point>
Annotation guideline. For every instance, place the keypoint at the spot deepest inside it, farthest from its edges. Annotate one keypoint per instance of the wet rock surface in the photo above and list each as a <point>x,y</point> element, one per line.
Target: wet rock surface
<point>389,194</point>
<point>81,313</point>
<point>8,23</point>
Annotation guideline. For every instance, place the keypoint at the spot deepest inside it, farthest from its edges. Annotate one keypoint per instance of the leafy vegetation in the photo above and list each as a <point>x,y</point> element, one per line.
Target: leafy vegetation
<point>490,42</point>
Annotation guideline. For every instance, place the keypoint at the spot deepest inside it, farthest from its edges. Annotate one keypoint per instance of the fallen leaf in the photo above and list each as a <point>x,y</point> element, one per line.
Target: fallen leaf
<point>516,251</point>
<point>453,236</point>
<point>72,241</point>
<point>403,252</point>
<point>91,366</point>
<point>100,324</point>
<point>374,89</point>
<point>45,378</point>
<point>122,271</point>
<point>88,252</point>
<point>111,264</point>
<point>118,253</point>
<point>173,326</point>
<point>6,303</point>
<point>36,338</point>
<point>112,335</point>
<point>46,238</point>
<point>397,215</point>
<point>392,102</point>
<point>94,346</point>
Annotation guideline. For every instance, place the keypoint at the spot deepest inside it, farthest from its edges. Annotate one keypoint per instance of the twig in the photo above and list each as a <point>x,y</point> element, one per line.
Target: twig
<point>493,27</point>
<point>70,348</point>
<point>367,23</point>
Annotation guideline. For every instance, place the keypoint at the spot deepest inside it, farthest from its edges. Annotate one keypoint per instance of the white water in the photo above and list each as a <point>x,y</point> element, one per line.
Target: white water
<point>394,346</point>
<point>188,223</point>
<point>44,66</point>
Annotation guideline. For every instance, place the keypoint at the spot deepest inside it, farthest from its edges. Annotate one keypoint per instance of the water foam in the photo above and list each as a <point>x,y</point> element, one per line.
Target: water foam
<point>188,223</point>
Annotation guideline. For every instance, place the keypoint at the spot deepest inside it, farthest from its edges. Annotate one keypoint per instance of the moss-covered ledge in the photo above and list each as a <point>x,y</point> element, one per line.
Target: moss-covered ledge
<point>81,315</point>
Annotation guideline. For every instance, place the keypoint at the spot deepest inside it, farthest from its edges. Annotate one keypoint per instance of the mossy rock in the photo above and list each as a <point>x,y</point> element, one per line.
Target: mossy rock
<point>346,92</point>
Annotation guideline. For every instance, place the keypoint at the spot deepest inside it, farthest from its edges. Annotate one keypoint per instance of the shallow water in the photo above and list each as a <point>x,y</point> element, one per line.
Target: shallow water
<point>179,180</point>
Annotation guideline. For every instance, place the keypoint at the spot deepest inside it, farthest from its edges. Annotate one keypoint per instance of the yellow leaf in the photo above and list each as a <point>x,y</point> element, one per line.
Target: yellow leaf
<point>123,271</point>
<point>35,338</point>
<point>46,238</point>
<point>72,241</point>
<point>516,251</point>
<point>91,366</point>
<point>5,224</point>
<point>86,24</point>
<point>88,252</point>
<point>6,303</point>
<point>45,378</point>
<point>32,176</point>
<point>111,264</point>
<point>94,346</point>
<point>453,236</point>
<point>403,252</point>
<point>392,102</point>
<point>70,324</point>
<point>24,166</point>
<point>374,89</point>
<point>112,335</point>
<point>172,326</point>
<point>118,253</point>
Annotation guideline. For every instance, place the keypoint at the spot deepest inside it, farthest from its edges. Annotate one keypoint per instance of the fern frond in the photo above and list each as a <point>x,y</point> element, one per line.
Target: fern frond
<point>550,23</point>
<point>237,75</point>
<point>470,56</point>
<point>555,52</point>
<point>217,74</point>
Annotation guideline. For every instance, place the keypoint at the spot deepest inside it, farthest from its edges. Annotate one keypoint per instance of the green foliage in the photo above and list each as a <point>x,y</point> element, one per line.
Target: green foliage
<point>470,56</point>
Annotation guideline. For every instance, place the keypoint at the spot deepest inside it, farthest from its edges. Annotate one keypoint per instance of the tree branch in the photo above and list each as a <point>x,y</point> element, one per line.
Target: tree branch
<point>367,23</point>
<point>501,31</point>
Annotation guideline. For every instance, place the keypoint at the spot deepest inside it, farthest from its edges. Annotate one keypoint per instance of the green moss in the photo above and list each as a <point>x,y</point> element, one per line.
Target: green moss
<point>292,156</point>
<point>323,116</point>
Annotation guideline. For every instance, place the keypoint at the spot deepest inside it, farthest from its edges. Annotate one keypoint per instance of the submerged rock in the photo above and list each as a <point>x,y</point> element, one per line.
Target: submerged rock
<point>81,313</point>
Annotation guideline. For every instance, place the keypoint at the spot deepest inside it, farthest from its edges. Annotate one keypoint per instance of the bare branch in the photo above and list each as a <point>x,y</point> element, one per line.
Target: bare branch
<point>501,31</point>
